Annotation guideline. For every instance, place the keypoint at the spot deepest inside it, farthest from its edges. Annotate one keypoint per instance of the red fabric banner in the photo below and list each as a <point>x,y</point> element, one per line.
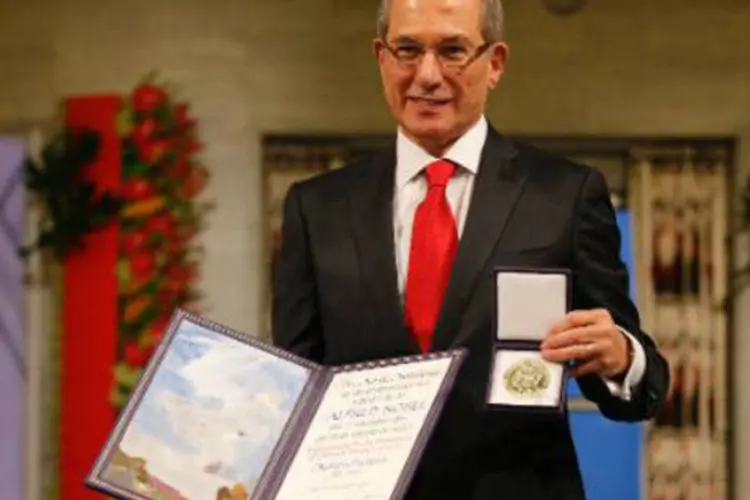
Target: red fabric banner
<point>90,315</point>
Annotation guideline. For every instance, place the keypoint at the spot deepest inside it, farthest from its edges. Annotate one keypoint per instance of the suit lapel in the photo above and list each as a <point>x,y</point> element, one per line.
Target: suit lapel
<point>371,202</point>
<point>496,190</point>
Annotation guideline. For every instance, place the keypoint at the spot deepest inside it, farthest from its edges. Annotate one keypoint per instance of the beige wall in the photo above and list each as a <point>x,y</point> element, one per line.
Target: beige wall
<point>252,66</point>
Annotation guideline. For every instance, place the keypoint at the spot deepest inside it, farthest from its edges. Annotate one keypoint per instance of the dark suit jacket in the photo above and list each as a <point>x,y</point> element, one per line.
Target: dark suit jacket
<point>336,301</point>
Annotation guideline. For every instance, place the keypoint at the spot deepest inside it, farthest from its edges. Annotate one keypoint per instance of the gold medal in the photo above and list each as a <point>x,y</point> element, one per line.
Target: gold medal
<point>527,378</point>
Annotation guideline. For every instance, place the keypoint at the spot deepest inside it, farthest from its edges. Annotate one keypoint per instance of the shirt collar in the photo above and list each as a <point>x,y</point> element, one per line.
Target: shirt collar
<point>466,152</point>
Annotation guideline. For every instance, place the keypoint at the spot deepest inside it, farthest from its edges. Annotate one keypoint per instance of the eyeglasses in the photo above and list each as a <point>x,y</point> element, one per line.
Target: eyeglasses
<point>454,56</point>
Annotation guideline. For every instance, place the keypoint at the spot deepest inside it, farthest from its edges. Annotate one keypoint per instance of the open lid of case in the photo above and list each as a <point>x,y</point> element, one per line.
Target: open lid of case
<point>529,301</point>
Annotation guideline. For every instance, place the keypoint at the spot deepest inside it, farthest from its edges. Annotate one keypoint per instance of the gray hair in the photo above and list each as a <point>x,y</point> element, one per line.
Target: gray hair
<point>493,20</point>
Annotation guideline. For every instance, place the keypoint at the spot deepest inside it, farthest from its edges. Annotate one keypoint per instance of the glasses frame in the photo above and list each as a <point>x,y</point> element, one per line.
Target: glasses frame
<point>478,52</point>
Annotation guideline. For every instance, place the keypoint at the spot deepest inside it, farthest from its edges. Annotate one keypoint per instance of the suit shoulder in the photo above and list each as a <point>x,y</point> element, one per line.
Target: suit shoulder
<point>553,164</point>
<point>558,173</point>
<point>341,179</point>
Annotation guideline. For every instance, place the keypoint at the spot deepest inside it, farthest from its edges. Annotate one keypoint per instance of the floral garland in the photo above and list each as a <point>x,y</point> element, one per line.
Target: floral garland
<point>158,257</point>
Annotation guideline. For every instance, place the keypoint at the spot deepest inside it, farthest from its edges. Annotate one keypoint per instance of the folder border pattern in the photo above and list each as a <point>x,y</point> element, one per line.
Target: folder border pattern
<point>526,345</point>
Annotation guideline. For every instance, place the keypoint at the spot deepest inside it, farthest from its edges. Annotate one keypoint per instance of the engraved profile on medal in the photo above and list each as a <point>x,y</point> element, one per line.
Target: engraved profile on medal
<point>527,378</point>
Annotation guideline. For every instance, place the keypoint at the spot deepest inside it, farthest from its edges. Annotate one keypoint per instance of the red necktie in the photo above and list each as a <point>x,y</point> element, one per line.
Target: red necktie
<point>433,247</point>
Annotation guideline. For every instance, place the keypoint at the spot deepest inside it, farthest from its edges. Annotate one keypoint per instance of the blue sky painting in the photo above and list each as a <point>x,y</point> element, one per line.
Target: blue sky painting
<point>213,413</point>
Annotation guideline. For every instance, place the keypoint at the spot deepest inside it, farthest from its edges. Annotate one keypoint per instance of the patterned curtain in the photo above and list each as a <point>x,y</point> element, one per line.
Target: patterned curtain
<point>679,208</point>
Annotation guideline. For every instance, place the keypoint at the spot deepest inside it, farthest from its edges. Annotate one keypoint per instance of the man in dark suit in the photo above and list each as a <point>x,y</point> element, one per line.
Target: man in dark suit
<point>394,255</point>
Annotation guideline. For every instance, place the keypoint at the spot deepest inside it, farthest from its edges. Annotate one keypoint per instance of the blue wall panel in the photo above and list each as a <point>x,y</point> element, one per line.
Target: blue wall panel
<point>610,453</point>
<point>12,356</point>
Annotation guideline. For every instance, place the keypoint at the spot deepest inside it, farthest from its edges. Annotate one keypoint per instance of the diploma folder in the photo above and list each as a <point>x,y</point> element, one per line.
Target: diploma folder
<point>220,415</point>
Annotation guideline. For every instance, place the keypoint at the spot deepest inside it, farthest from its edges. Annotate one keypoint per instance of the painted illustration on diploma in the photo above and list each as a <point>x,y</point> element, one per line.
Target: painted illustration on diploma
<point>203,430</point>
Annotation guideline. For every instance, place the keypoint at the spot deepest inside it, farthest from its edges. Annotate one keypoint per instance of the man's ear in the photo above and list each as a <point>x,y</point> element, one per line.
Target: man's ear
<point>377,48</point>
<point>498,60</point>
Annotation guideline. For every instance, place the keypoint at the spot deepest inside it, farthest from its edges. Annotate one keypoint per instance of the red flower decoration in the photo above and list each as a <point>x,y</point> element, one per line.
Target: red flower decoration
<point>181,117</point>
<point>136,355</point>
<point>153,151</point>
<point>143,132</point>
<point>136,189</point>
<point>135,242</point>
<point>142,265</point>
<point>147,97</point>
<point>163,224</point>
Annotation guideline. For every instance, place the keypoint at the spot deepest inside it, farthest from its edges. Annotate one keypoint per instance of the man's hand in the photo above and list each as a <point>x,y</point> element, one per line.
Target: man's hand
<point>591,339</point>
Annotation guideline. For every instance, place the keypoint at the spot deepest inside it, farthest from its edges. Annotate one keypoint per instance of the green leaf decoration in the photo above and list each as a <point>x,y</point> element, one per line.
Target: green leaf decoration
<point>127,376</point>
<point>135,169</point>
<point>118,396</point>
<point>73,205</point>
<point>123,274</point>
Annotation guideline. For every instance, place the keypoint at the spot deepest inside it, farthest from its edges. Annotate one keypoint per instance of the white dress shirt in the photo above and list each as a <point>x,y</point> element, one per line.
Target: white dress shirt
<point>411,188</point>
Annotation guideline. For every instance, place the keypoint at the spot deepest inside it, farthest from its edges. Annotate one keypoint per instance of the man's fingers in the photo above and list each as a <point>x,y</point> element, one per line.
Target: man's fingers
<point>593,366</point>
<point>583,336</point>
<point>578,319</point>
<point>576,335</point>
<point>574,352</point>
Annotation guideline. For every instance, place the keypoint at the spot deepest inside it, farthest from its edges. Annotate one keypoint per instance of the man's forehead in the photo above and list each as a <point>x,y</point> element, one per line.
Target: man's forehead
<point>437,4</point>
<point>454,17</point>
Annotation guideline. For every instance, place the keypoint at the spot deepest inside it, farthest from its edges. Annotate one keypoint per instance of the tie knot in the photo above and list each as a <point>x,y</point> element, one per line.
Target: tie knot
<point>440,172</point>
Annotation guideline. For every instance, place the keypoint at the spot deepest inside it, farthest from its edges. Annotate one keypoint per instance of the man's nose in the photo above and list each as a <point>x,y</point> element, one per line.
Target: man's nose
<point>429,72</point>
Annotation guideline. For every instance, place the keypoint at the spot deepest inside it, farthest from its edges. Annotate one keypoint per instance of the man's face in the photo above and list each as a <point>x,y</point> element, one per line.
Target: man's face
<point>434,99</point>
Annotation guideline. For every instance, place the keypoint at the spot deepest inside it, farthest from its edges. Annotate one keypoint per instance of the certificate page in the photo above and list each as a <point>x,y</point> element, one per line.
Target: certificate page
<point>361,436</point>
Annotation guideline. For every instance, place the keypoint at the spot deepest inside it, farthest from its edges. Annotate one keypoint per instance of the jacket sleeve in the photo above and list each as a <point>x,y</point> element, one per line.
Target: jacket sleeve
<point>600,280</point>
<point>295,316</point>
